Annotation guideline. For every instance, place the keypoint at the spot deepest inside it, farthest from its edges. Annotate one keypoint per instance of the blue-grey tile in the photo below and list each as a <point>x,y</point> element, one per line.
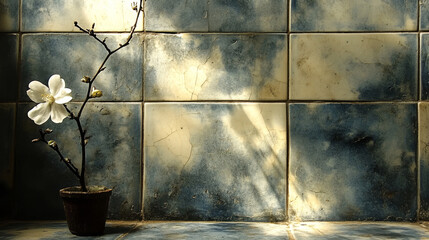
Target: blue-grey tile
<point>215,67</point>
<point>113,160</point>
<point>424,66</point>
<point>358,230</point>
<point>76,55</point>
<point>176,16</point>
<point>8,67</point>
<point>54,230</point>
<point>9,14</point>
<point>247,16</point>
<point>216,16</point>
<point>200,230</point>
<point>353,15</point>
<point>215,161</point>
<point>424,15</point>
<point>353,162</point>
<point>7,123</point>
<point>366,67</point>
<point>424,160</point>
<point>59,15</point>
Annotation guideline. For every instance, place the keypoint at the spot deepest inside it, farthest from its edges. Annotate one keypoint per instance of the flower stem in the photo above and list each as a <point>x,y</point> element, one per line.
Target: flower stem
<point>90,83</point>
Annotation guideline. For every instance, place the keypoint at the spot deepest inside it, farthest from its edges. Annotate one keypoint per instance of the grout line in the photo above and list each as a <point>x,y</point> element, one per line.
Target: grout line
<point>289,3</point>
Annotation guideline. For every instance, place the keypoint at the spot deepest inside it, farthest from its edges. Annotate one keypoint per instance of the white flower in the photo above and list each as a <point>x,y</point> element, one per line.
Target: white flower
<point>49,100</point>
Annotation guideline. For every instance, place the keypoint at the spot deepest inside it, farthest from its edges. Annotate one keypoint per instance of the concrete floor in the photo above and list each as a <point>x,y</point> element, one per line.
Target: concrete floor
<point>222,230</point>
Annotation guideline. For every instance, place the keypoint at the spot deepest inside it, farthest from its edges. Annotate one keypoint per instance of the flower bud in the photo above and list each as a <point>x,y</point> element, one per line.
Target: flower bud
<point>86,79</point>
<point>52,143</point>
<point>96,93</point>
<point>134,6</point>
<point>48,131</point>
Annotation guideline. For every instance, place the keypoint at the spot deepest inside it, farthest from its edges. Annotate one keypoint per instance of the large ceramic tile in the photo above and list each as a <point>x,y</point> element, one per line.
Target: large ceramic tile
<point>424,15</point>
<point>8,67</point>
<point>358,230</point>
<point>353,162</point>
<point>113,160</point>
<point>424,66</point>
<point>7,123</point>
<point>215,67</point>
<point>9,14</point>
<point>248,16</point>
<point>59,15</point>
<point>215,162</point>
<point>176,16</point>
<point>353,15</point>
<point>76,55</point>
<point>424,160</point>
<point>366,67</point>
<point>216,16</point>
<point>202,230</point>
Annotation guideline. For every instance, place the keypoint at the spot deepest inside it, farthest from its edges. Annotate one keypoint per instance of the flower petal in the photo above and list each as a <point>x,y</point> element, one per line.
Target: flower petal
<point>56,84</point>
<point>35,96</point>
<point>64,96</point>
<point>58,113</point>
<point>40,113</point>
<point>38,87</point>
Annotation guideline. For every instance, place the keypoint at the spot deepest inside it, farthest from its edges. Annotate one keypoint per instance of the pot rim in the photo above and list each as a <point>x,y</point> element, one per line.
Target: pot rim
<point>75,190</point>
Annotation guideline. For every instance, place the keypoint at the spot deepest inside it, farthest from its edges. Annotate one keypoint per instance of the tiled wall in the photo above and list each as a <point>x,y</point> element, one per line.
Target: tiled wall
<point>245,110</point>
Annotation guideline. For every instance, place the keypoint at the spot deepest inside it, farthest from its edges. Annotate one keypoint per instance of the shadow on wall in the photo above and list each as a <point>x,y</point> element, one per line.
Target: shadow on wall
<point>216,15</point>
<point>215,162</point>
<point>353,162</point>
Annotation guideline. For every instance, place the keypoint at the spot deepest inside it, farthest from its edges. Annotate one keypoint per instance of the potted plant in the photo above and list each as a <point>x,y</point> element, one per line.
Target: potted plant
<point>85,206</point>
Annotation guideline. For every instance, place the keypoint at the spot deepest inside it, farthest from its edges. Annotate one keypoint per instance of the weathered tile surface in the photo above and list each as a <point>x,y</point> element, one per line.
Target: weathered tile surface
<point>7,123</point>
<point>200,230</point>
<point>59,15</point>
<point>8,67</point>
<point>113,160</point>
<point>424,63</point>
<point>365,67</point>
<point>248,16</point>
<point>424,14</point>
<point>75,55</point>
<point>353,162</point>
<point>9,14</point>
<point>358,230</point>
<point>353,15</point>
<point>424,160</point>
<point>216,16</point>
<point>215,162</point>
<point>216,67</point>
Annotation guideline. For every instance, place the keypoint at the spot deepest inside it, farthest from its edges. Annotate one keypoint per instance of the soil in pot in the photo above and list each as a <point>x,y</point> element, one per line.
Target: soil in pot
<point>86,212</point>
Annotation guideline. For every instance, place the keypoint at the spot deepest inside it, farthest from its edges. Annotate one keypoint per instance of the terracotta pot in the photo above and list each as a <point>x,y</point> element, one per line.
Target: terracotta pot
<point>86,211</point>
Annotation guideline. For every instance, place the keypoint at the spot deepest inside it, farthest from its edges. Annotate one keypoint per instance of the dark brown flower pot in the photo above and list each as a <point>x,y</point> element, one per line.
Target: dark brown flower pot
<point>86,211</point>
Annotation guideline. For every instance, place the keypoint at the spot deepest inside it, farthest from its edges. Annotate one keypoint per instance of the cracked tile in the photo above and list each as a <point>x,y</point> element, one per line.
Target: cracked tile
<point>113,160</point>
<point>216,16</point>
<point>67,54</point>
<point>367,67</point>
<point>353,162</point>
<point>354,15</point>
<point>189,67</point>
<point>59,15</point>
<point>215,162</point>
